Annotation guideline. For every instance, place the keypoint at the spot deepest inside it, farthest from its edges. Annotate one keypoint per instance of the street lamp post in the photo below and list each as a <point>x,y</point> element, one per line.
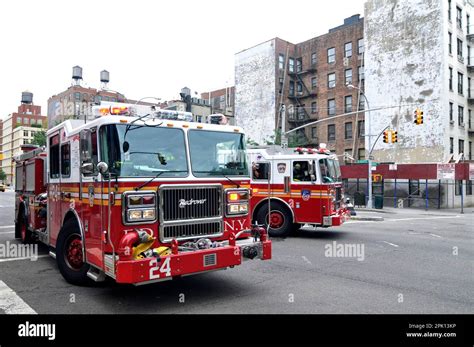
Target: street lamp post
<point>369,161</point>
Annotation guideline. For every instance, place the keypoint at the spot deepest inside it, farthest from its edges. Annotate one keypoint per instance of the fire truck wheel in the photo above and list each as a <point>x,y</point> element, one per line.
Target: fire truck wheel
<point>24,232</point>
<point>280,219</point>
<point>69,255</point>
<point>295,228</point>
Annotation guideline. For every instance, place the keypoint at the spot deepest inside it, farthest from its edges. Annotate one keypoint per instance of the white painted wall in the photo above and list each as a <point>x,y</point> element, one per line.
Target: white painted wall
<point>255,91</point>
<point>404,64</point>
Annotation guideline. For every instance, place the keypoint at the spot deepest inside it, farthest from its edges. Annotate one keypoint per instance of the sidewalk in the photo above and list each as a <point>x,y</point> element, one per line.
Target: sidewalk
<point>391,212</point>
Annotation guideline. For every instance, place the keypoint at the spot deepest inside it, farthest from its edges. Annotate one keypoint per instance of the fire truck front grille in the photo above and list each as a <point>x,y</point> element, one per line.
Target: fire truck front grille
<point>190,231</point>
<point>191,202</point>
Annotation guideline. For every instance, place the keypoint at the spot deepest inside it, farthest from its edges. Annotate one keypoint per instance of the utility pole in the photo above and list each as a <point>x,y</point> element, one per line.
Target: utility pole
<point>283,137</point>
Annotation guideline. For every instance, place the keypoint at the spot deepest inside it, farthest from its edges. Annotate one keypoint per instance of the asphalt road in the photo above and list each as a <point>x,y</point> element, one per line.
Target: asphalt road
<point>412,262</point>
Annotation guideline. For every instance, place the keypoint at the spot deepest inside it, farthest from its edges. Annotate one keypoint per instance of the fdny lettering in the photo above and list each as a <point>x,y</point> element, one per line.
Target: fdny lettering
<point>238,224</point>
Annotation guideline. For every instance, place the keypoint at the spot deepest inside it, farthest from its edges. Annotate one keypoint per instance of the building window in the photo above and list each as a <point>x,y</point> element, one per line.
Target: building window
<point>361,128</point>
<point>292,88</point>
<point>299,64</point>
<point>468,187</point>
<point>299,88</point>
<point>451,145</point>
<point>348,50</point>
<point>460,115</point>
<point>314,132</point>
<point>450,43</point>
<point>449,10</point>
<point>361,73</point>
<point>458,186</point>
<point>469,87</point>
<point>77,96</point>
<point>331,132</point>
<point>361,153</point>
<point>468,55</point>
<point>348,131</point>
<point>331,55</point>
<point>414,187</point>
<point>460,49</point>
<point>348,76</point>
<point>331,80</point>
<point>314,107</point>
<point>301,112</point>
<point>331,107</point>
<point>65,160</point>
<point>314,58</point>
<point>470,150</point>
<point>281,61</point>
<point>39,122</point>
<point>461,147</point>
<point>25,133</point>
<point>18,120</point>
<point>459,17</point>
<point>199,119</point>
<point>360,46</point>
<point>451,112</point>
<point>451,79</point>
<point>469,119</point>
<point>281,85</point>
<point>460,83</point>
<point>314,82</point>
<point>361,104</point>
<point>291,65</point>
<point>468,24</point>
<point>348,103</point>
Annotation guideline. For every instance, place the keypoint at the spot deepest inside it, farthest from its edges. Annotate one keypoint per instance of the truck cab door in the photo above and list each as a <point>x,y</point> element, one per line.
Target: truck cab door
<point>91,197</point>
<point>54,188</point>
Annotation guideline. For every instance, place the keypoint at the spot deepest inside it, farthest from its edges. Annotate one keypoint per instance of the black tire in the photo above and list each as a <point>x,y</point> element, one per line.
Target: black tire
<point>295,228</point>
<point>282,212</point>
<point>70,262</point>
<point>21,229</point>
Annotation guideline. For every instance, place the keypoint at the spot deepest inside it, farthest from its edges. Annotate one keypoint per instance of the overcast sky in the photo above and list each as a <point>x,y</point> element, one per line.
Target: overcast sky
<point>150,48</point>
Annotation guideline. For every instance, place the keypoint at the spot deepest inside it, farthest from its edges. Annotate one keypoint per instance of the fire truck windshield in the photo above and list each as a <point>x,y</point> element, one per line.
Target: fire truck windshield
<point>330,170</point>
<point>215,153</point>
<point>144,152</point>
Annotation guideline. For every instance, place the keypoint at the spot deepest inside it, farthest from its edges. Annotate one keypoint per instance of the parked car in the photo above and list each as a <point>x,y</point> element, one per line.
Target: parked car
<point>2,187</point>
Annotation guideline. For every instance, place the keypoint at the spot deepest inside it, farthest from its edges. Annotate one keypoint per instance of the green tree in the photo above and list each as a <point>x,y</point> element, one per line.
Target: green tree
<point>295,139</point>
<point>3,175</point>
<point>39,138</point>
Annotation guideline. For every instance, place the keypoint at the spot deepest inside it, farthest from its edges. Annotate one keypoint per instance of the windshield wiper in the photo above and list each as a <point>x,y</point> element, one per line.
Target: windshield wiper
<point>220,173</point>
<point>155,177</point>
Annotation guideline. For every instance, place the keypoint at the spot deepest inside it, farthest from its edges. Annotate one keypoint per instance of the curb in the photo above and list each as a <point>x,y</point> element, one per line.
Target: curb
<point>373,210</point>
<point>373,219</point>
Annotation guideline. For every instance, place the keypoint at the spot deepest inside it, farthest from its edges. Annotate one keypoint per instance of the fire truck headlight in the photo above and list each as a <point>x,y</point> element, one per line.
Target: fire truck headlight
<point>134,215</point>
<point>238,208</point>
<point>139,207</point>
<point>141,215</point>
<point>149,214</point>
<point>237,201</point>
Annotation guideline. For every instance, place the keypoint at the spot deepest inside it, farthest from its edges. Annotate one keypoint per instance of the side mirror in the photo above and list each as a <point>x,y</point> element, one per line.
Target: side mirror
<point>87,168</point>
<point>102,167</point>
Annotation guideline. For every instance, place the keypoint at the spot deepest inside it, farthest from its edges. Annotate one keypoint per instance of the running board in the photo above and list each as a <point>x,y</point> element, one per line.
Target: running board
<point>96,275</point>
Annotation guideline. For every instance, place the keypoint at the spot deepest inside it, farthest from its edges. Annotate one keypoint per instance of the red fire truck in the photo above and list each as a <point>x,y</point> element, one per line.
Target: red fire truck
<point>295,187</point>
<point>140,195</point>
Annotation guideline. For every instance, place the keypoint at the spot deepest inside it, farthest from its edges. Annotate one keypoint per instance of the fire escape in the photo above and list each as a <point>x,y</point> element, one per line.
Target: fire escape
<point>298,115</point>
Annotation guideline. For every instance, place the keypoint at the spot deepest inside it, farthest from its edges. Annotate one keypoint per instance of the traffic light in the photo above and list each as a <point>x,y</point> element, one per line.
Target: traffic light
<point>394,136</point>
<point>418,116</point>
<point>385,136</point>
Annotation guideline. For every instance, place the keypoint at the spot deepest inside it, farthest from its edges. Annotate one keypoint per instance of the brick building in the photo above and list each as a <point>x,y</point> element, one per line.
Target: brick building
<point>310,78</point>
<point>222,101</point>
<point>19,128</point>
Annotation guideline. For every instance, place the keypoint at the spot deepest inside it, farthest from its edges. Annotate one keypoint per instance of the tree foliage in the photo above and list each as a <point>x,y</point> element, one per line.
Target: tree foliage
<point>39,138</point>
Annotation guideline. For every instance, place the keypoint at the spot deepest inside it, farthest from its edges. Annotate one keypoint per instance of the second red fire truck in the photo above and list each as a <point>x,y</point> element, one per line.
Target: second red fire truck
<point>293,187</point>
<point>139,195</point>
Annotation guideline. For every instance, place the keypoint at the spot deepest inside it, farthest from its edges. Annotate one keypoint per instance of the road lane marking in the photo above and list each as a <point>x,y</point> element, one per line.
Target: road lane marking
<point>23,258</point>
<point>391,244</point>
<point>306,260</point>
<point>7,232</point>
<point>436,235</point>
<point>7,226</point>
<point>420,218</point>
<point>11,303</point>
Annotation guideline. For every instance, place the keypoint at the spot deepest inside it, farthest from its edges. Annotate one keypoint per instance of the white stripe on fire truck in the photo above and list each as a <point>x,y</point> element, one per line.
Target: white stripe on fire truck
<point>11,303</point>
